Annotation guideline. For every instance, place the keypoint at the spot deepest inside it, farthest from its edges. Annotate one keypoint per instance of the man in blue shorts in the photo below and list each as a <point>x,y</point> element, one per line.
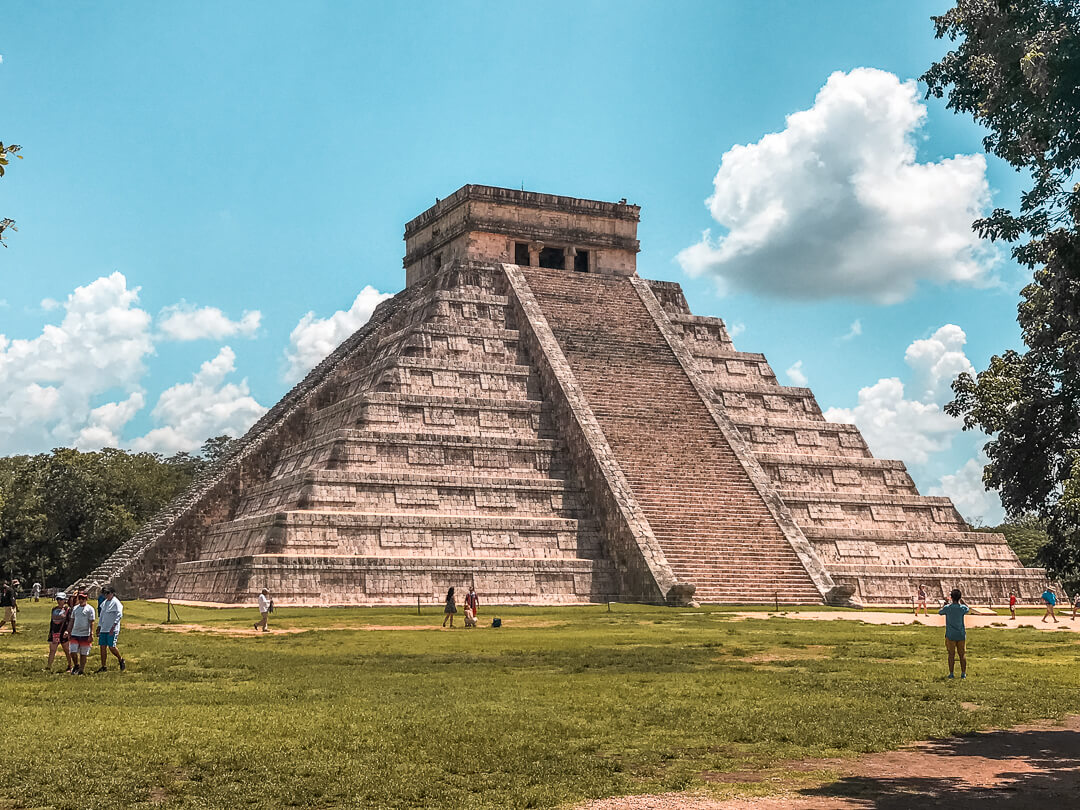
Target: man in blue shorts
<point>955,634</point>
<point>109,628</point>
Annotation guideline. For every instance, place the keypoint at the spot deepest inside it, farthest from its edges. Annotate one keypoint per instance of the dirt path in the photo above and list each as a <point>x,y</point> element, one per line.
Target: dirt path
<point>933,620</point>
<point>1024,768</point>
<point>248,630</point>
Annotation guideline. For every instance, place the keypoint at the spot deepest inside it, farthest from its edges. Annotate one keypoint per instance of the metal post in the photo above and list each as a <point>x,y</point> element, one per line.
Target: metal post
<point>417,605</point>
<point>776,596</point>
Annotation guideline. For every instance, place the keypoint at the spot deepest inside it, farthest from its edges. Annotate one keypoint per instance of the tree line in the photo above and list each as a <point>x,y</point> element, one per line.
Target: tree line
<point>62,513</point>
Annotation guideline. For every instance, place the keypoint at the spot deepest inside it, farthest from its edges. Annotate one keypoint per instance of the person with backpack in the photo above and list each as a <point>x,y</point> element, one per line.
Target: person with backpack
<point>266,604</point>
<point>1049,599</point>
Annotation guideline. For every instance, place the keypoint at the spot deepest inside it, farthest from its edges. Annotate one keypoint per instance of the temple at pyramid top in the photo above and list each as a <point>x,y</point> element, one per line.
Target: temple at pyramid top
<point>490,224</point>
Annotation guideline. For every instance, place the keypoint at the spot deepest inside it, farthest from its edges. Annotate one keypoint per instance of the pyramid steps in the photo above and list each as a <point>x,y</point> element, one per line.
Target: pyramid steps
<point>703,510</point>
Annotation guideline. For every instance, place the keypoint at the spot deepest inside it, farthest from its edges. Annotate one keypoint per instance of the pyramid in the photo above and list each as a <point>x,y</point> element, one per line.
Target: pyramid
<point>531,417</point>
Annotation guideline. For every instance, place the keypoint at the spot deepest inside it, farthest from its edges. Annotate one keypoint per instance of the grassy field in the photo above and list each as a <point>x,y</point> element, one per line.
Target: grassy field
<point>558,706</point>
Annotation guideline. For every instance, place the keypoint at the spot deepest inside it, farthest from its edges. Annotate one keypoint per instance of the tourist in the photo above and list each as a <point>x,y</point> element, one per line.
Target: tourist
<point>1049,599</point>
<point>450,609</point>
<point>58,630</point>
<point>81,632</point>
<point>109,628</point>
<point>10,605</point>
<point>472,607</point>
<point>265,603</point>
<point>1076,603</point>
<point>35,592</point>
<point>955,634</point>
<point>1012,605</point>
<point>921,600</point>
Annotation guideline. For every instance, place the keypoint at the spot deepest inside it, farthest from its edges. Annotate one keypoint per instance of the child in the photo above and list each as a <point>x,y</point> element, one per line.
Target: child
<point>955,634</point>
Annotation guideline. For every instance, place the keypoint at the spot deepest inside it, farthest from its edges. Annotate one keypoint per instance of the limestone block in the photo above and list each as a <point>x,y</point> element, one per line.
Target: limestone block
<point>427,455</point>
<point>857,548</point>
<point>825,511</point>
<point>392,537</point>
<point>794,475</point>
<point>843,477</point>
<point>887,513</point>
<point>440,416</point>
<point>807,438</point>
<point>734,399</point>
<point>853,440</point>
<point>775,403</point>
<point>736,367</point>
<point>416,496</point>
<point>927,551</point>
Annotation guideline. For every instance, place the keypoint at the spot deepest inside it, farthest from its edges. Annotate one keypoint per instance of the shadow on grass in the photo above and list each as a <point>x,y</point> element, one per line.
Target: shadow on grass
<point>1008,769</point>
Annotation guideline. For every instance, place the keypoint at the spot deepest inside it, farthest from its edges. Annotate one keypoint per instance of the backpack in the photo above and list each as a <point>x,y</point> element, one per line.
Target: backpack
<point>496,622</point>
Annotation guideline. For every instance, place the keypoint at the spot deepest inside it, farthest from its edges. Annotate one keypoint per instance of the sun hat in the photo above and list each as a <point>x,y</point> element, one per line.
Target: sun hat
<point>61,595</point>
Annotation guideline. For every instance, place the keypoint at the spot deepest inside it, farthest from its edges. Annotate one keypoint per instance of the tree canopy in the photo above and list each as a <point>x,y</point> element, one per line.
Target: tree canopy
<point>6,152</point>
<point>1016,70</point>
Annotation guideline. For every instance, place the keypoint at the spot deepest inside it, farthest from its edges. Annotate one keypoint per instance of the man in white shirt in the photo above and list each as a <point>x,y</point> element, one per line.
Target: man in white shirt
<point>109,628</point>
<point>80,633</point>
<point>265,603</point>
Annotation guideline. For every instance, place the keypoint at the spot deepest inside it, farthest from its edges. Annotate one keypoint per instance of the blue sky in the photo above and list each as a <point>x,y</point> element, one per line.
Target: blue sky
<point>262,158</point>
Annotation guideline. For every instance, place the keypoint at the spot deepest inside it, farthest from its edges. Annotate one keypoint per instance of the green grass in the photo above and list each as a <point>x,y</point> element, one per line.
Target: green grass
<point>558,706</point>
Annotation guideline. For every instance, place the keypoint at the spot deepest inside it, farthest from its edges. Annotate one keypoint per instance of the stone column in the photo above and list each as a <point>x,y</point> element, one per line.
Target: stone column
<point>571,255</point>
<point>534,253</point>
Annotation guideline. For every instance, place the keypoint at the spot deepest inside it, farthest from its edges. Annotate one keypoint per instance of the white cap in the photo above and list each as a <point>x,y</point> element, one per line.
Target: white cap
<point>61,595</point>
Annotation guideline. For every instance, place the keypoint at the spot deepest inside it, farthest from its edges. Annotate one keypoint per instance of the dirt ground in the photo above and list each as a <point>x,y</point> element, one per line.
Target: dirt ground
<point>1000,620</point>
<point>1023,768</point>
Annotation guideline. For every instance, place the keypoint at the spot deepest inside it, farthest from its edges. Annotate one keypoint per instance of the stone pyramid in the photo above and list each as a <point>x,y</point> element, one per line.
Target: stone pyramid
<point>530,417</point>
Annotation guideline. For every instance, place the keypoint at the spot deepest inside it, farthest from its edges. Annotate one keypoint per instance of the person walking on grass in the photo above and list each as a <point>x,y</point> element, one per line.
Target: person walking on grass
<point>81,631</point>
<point>265,603</point>
<point>1012,606</point>
<point>450,609</point>
<point>10,605</point>
<point>35,591</point>
<point>921,600</point>
<point>472,607</point>
<point>955,634</point>
<point>1076,603</point>
<point>109,629</point>
<point>58,630</point>
<point>1049,599</point>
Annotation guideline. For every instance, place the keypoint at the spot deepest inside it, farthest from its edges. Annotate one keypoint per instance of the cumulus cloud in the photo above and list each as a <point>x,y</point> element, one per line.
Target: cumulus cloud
<point>735,329</point>
<point>185,322</point>
<point>912,429</point>
<point>105,423</point>
<point>189,413</point>
<point>965,488</point>
<point>836,204</point>
<point>796,374</point>
<point>48,383</point>
<point>313,338</point>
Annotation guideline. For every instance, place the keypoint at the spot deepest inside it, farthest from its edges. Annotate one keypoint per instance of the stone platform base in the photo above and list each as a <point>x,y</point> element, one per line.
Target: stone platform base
<point>885,585</point>
<point>350,580</point>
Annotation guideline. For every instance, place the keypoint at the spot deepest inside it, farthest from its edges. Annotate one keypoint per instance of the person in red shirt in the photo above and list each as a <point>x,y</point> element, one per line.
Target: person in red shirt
<point>472,605</point>
<point>1012,605</point>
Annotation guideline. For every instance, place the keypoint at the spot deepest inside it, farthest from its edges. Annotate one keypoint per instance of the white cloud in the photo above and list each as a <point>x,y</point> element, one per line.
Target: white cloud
<point>190,413</point>
<point>313,338</point>
<point>796,374</point>
<point>106,422</point>
<point>965,488</point>
<point>48,383</point>
<point>854,330</point>
<point>912,429</point>
<point>185,322</point>
<point>735,329</point>
<point>836,204</point>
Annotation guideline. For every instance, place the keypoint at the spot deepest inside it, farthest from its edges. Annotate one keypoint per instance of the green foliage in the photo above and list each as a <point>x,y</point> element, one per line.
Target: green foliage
<point>1016,70</point>
<point>62,513</point>
<point>5,153</point>
<point>559,706</point>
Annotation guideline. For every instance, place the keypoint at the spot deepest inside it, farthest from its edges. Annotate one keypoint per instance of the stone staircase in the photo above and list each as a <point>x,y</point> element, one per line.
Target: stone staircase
<point>713,527</point>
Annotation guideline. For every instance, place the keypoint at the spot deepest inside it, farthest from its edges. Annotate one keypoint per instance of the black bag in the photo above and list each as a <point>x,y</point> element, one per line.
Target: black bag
<point>496,622</point>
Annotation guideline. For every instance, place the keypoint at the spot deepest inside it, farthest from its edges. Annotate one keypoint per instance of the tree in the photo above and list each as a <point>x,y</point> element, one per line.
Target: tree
<point>1016,70</point>
<point>5,153</point>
